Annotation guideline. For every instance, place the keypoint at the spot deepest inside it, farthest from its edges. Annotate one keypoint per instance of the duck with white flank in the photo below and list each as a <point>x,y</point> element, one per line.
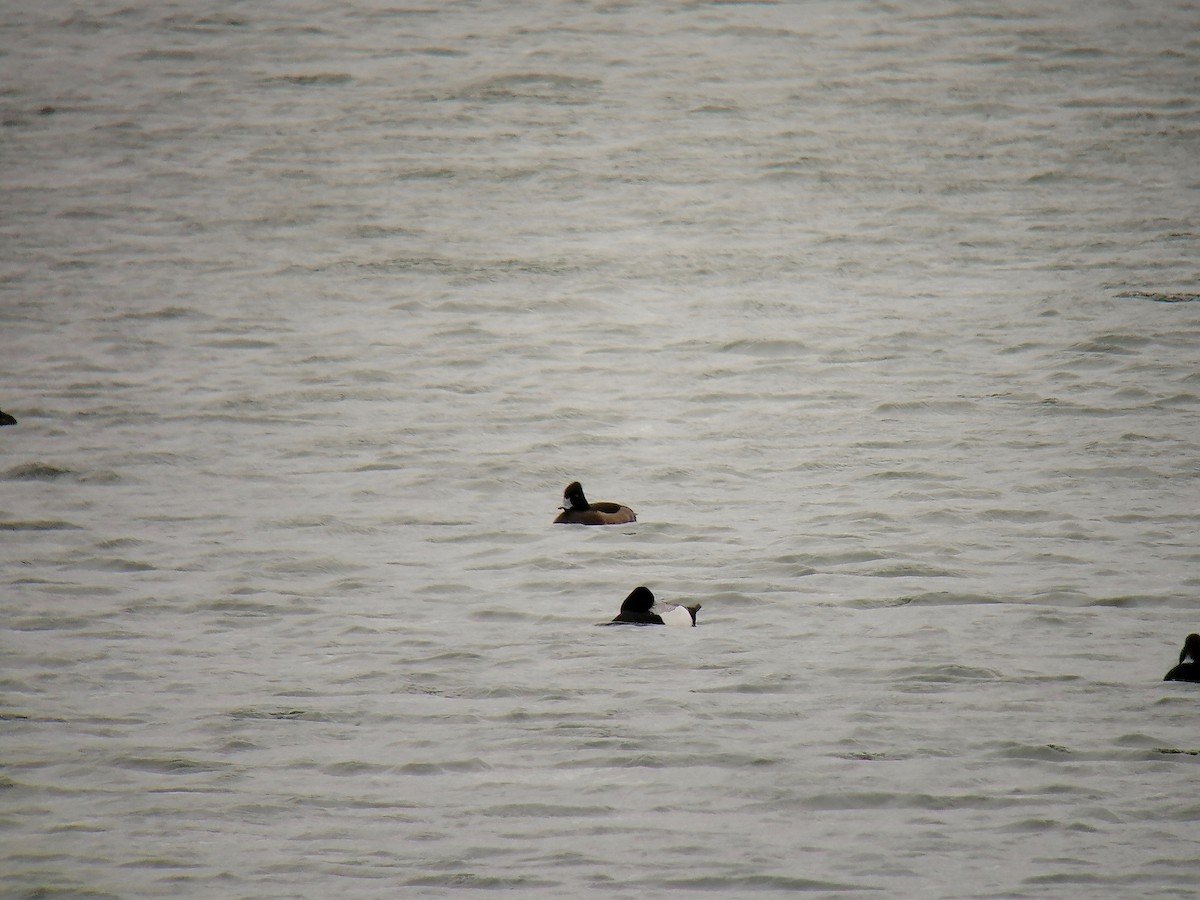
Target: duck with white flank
<point>639,608</point>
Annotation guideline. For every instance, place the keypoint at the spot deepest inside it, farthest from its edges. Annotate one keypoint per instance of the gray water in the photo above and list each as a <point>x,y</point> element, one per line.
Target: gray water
<point>882,316</point>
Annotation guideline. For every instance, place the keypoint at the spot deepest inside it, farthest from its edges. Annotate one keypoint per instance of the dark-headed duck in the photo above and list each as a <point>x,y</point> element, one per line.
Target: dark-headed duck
<point>639,609</point>
<point>6,419</point>
<point>577,511</point>
<point>1189,661</point>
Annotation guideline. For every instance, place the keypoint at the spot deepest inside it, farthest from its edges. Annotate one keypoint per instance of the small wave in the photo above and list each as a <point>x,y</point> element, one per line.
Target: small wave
<point>751,687</point>
<point>1160,297</point>
<point>450,52</point>
<point>204,24</point>
<point>316,79</point>
<point>501,615</point>
<point>353,768</point>
<point>716,109</point>
<point>166,312</point>
<point>1047,752</point>
<point>474,764</point>
<point>1117,344</point>
<point>544,811</point>
<point>36,471</point>
<point>1023,516</point>
<point>167,765</point>
<point>878,602</point>
<point>279,713</point>
<point>43,525</point>
<point>946,406</point>
<point>1121,602</point>
<point>530,86</point>
<point>1033,826</point>
<point>865,755</point>
<point>946,598</point>
<point>240,344</point>
<point>768,348</point>
<point>115,564</point>
<point>859,800</point>
<point>843,558</point>
<point>320,565</point>
<point>911,475</point>
<point>169,55</point>
<point>732,886</point>
<point>238,607</point>
<point>461,880</point>
<point>912,570</point>
<point>947,674</point>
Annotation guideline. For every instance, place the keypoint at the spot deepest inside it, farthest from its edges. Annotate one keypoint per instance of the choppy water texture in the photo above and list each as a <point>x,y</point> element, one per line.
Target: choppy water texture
<point>883,316</point>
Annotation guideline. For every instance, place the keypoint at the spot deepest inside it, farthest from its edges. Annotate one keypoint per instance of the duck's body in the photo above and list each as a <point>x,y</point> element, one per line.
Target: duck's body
<point>639,608</point>
<point>6,419</point>
<point>1189,661</point>
<point>577,511</point>
<point>1188,671</point>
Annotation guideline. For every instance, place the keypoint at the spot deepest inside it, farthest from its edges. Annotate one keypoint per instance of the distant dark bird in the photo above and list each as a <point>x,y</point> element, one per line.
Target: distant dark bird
<point>639,609</point>
<point>6,419</point>
<point>577,511</point>
<point>1189,661</point>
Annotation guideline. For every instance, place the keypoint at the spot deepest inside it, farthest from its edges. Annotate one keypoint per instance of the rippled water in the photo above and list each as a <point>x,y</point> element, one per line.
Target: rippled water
<point>881,315</point>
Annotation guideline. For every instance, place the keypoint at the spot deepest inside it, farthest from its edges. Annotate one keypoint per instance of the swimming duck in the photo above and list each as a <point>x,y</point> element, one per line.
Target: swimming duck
<point>6,419</point>
<point>639,609</point>
<point>578,511</point>
<point>1190,670</point>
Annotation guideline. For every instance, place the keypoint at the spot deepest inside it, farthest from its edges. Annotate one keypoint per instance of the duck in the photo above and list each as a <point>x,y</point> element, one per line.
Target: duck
<point>6,419</point>
<point>1190,670</point>
<point>577,511</point>
<point>639,609</point>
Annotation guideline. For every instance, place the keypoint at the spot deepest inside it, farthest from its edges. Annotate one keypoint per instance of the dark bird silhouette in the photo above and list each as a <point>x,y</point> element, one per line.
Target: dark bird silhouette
<point>1189,661</point>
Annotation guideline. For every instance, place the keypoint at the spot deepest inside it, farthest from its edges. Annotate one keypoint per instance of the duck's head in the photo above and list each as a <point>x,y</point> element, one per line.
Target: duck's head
<point>1191,649</point>
<point>640,600</point>
<point>573,497</point>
